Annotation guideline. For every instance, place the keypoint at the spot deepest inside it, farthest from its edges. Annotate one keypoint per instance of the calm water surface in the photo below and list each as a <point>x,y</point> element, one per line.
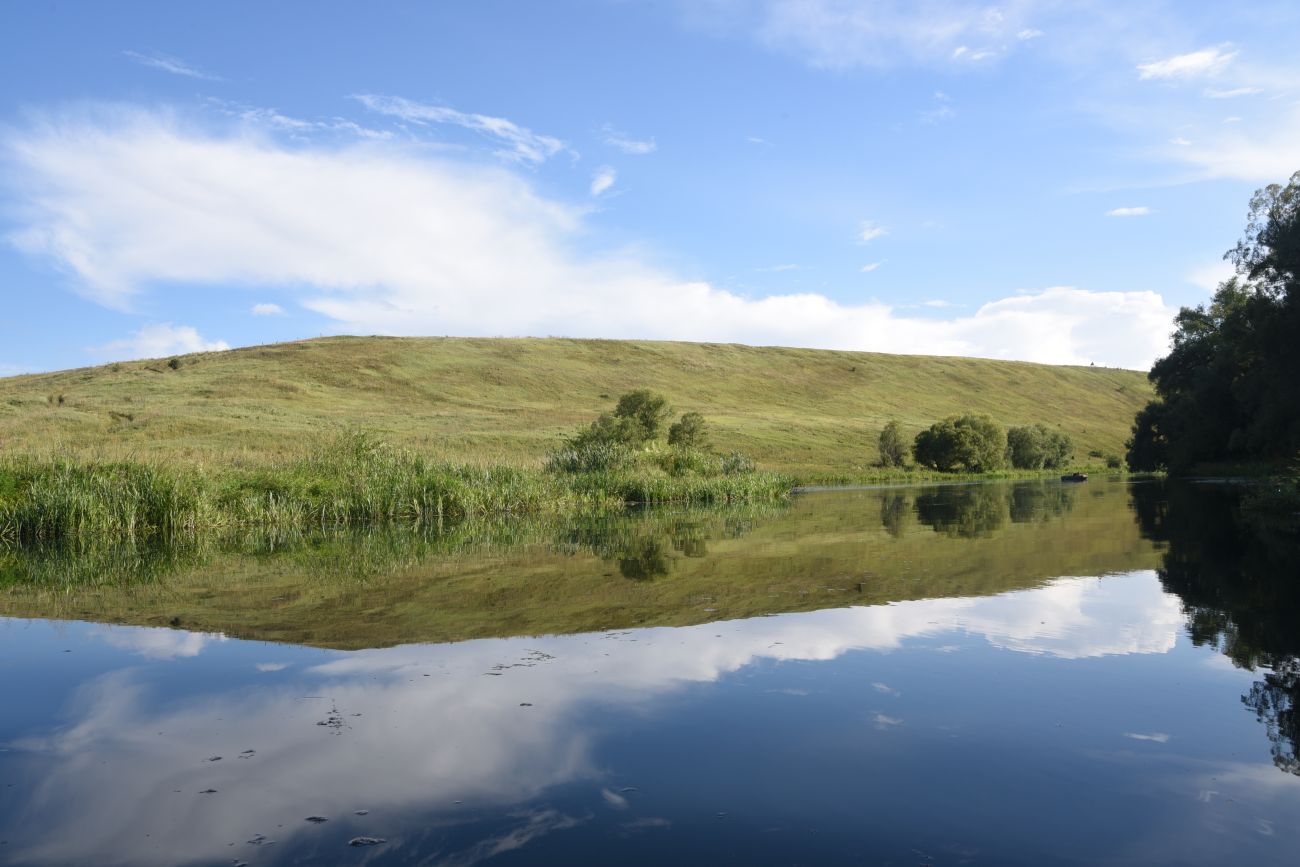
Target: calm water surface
<point>1027,673</point>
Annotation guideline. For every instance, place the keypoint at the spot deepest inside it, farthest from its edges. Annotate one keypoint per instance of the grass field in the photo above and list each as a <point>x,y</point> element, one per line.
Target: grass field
<point>814,414</point>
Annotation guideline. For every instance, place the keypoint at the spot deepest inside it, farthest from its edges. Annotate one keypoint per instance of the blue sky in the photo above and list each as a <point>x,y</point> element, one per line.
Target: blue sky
<point>1035,180</point>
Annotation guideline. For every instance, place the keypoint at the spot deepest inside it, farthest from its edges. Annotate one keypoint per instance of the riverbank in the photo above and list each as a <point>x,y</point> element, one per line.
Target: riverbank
<point>354,481</point>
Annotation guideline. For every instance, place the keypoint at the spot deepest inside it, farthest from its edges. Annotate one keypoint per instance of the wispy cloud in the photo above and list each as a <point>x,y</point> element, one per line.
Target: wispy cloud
<point>603,179</point>
<point>1231,93</point>
<point>157,340</point>
<point>869,231</point>
<point>1196,64</point>
<point>166,63</point>
<point>870,266</point>
<point>521,144</point>
<point>1155,737</point>
<point>267,310</point>
<point>1138,211</point>
<point>627,144</point>
<point>383,239</point>
<point>788,266</point>
<point>839,33</point>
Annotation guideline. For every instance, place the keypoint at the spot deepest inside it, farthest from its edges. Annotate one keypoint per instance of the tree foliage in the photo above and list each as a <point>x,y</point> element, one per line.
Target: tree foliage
<point>637,419</point>
<point>1036,447</point>
<point>893,448</point>
<point>1228,389</point>
<point>970,443</point>
<point>690,431</point>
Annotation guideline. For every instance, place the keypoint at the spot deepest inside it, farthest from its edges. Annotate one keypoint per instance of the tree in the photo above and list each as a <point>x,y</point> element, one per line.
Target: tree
<point>690,431</point>
<point>645,411</point>
<point>973,443</point>
<point>1036,447</point>
<point>1227,390</point>
<point>893,448</point>
<point>637,419</point>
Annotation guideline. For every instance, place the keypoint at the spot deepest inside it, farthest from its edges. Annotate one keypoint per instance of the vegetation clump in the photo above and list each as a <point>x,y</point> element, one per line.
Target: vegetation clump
<point>893,447</point>
<point>969,443</point>
<point>1036,447</point>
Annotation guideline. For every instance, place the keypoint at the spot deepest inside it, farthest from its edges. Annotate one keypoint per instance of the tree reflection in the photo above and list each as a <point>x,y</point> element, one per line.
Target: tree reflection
<point>1238,582</point>
<point>969,512</point>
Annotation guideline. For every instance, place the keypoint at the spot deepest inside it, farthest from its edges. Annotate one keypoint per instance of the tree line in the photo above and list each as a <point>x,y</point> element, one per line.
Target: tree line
<point>976,444</point>
<point>1229,389</point>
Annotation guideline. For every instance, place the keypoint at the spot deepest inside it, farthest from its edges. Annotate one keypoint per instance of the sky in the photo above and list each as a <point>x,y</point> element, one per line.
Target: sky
<point>1038,180</point>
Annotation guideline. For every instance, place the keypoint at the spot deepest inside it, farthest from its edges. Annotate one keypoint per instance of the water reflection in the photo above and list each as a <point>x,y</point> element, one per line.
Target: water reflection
<point>937,675</point>
<point>479,579</point>
<point>433,735</point>
<point>1237,578</point>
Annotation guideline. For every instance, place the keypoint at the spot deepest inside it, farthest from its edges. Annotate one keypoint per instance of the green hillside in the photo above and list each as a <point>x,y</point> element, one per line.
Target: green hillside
<point>808,412</point>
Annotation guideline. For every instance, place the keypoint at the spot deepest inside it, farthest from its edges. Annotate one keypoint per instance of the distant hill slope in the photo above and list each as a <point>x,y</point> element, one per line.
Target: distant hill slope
<point>808,412</point>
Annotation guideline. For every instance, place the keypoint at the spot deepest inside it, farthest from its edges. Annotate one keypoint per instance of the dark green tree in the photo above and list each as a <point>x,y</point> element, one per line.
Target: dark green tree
<point>1227,390</point>
<point>970,443</point>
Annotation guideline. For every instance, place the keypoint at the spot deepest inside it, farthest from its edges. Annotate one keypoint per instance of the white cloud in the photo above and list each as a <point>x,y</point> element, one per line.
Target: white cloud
<point>166,63</point>
<point>157,340</point>
<point>602,180</point>
<point>627,144</point>
<point>870,266</point>
<point>938,303</point>
<point>522,144</point>
<point>1209,276</point>
<point>869,231</point>
<point>1231,93</point>
<point>1196,64</point>
<point>877,33</point>
<point>1248,152</point>
<point>1138,211</point>
<point>787,266</point>
<point>382,238</point>
<point>267,310</point>
<point>271,666</point>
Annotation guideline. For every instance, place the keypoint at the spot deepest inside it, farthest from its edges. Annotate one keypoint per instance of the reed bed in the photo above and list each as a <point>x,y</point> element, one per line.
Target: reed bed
<point>354,480</point>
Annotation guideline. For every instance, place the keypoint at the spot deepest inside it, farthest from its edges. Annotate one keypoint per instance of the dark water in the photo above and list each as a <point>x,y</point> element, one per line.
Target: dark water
<point>1021,673</point>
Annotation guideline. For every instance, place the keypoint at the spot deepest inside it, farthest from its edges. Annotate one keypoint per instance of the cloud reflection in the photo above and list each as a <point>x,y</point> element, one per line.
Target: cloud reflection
<point>418,728</point>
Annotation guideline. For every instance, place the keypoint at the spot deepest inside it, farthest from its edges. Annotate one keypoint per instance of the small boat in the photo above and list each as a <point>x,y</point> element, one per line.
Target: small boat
<point>1075,477</point>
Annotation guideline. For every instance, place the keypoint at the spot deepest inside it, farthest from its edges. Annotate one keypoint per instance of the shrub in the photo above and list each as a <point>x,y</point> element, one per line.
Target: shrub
<point>972,443</point>
<point>690,431</point>
<point>1036,447</point>
<point>637,419</point>
<point>734,464</point>
<point>893,448</point>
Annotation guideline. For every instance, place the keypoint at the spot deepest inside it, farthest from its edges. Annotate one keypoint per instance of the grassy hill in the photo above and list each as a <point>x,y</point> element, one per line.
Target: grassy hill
<point>812,413</point>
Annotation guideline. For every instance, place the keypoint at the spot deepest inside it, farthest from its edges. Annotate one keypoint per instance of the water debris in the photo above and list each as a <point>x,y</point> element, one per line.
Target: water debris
<point>213,759</point>
<point>525,704</point>
<point>722,814</point>
<point>260,840</point>
<point>361,812</point>
<point>366,841</point>
<point>316,820</point>
<point>248,754</point>
<point>629,789</point>
<point>208,792</point>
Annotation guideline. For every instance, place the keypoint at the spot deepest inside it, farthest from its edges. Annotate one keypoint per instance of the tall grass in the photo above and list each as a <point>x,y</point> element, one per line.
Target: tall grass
<point>354,480</point>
